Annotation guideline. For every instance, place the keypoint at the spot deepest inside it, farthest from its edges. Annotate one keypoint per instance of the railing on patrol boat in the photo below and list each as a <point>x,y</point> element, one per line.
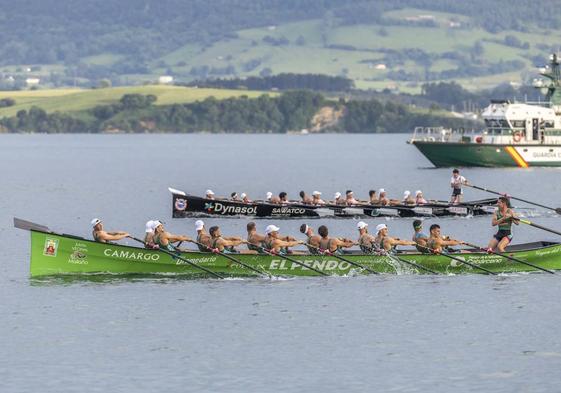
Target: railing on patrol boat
<point>441,134</point>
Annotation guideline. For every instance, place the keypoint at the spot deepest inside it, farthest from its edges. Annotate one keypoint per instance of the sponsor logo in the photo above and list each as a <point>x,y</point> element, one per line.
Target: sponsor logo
<point>282,211</point>
<point>374,213</point>
<point>51,247</point>
<point>139,256</point>
<point>219,208</point>
<point>79,254</point>
<point>207,260</point>
<point>283,264</point>
<point>180,204</point>
<point>458,210</point>
<point>423,210</point>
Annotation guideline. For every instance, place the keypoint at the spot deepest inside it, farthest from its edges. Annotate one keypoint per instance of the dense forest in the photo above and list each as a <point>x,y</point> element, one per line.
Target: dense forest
<point>291,111</point>
<point>63,31</point>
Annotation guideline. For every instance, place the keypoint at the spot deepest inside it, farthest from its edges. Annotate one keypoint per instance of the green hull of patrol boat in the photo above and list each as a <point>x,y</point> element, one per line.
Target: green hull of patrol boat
<point>54,254</point>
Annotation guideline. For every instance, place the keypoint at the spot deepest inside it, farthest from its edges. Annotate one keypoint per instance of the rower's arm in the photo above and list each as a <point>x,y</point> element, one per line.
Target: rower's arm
<point>284,243</point>
<point>178,238</point>
<point>288,239</point>
<point>229,243</point>
<point>232,238</point>
<point>112,236</point>
<point>399,242</point>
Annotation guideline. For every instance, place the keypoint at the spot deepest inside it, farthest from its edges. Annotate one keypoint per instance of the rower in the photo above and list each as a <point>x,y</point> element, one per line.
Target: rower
<point>254,240</point>
<point>305,199</point>
<point>245,198</point>
<point>504,217</point>
<point>209,194</point>
<point>350,199</point>
<point>456,183</point>
<point>383,197</point>
<point>275,244</point>
<point>419,199</point>
<point>407,198</point>
<point>338,200</point>
<point>234,197</point>
<point>332,245</point>
<point>203,237</point>
<point>316,198</point>
<point>149,236</point>
<point>283,197</point>
<point>366,241</point>
<point>387,243</point>
<point>272,199</point>
<point>102,236</point>
<point>436,243</point>
<point>164,239</point>
<point>419,237</point>
<point>313,240</point>
<point>373,198</point>
<point>226,244</point>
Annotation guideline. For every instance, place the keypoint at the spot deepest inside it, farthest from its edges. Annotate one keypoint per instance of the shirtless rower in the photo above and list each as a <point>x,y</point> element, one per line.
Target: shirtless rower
<point>316,198</point>
<point>283,197</point>
<point>209,194</point>
<point>383,197</point>
<point>407,198</point>
<point>366,241</point>
<point>419,237</point>
<point>338,200</point>
<point>312,241</point>
<point>387,243</point>
<point>102,236</point>
<point>203,238</point>
<point>234,197</point>
<point>245,198</point>
<point>419,199</point>
<point>436,243</point>
<point>274,243</point>
<point>350,199</point>
<point>456,183</point>
<point>331,245</point>
<point>272,199</point>
<point>305,199</point>
<point>163,239</point>
<point>373,198</point>
<point>226,245</point>
<point>504,217</point>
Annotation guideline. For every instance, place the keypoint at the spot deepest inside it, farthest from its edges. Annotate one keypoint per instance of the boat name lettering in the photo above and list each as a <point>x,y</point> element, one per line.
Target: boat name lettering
<point>138,256</point>
<point>223,209</point>
<point>288,210</point>
<point>195,261</point>
<point>283,264</point>
<point>458,210</point>
<point>553,250</point>
<point>545,154</point>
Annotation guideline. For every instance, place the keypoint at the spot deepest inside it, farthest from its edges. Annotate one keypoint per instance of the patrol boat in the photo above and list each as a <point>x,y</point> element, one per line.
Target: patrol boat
<point>515,134</point>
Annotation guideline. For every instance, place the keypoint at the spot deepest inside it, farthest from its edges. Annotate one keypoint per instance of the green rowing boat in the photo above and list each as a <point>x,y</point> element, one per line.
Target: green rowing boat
<point>57,254</point>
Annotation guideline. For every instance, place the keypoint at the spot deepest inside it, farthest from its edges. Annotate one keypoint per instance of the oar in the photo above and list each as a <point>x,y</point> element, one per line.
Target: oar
<point>460,260</point>
<point>555,209</point>
<point>345,260</point>
<point>512,258</point>
<point>227,256</point>
<point>410,263</point>
<point>523,221</point>
<point>182,259</point>
<point>294,261</point>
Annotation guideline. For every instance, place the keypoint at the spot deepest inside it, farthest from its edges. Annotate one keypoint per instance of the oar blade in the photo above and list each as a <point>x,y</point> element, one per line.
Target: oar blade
<point>29,226</point>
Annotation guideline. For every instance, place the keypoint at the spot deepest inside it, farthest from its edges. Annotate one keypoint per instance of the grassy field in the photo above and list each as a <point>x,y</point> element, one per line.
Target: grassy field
<point>74,100</point>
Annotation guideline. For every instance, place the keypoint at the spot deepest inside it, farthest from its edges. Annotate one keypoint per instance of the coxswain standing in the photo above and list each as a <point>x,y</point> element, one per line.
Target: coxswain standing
<point>332,245</point>
<point>387,243</point>
<point>164,239</point>
<point>203,238</point>
<point>102,236</point>
<point>316,198</point>
<point>366,241</point>
<point>436,243</point>
<point>504,217</point>
<point>313,240</point>
<point>456,183</point>
<point>275,244</point>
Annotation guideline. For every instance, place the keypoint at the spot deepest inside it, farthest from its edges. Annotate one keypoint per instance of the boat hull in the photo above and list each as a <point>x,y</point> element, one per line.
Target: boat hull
<point>53,254</point>
<point>184,206</point>
<point>447,154</point>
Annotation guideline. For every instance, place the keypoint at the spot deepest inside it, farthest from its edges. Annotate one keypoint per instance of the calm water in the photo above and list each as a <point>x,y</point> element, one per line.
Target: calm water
<point>391,333</point>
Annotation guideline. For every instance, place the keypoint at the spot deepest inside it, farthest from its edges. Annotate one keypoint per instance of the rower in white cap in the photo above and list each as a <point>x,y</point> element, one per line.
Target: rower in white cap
<point>274,243</point>
<point>366,241</point>
<point>338,200</point>
<point>408,198</point>
<point>209,194</point>
<point>203,238</point>
<point>386,242</point>
<point>383,197</point>
<point>102,236</point>
<point>149,235</point>
<point>316,198</point>
<point>419,199</point>
<point>245,198</point>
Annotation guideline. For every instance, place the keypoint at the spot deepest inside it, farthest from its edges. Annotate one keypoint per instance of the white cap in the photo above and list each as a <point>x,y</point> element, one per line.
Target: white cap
<point>199,224</point>
<point>243,195</point>
<point>379,227</point>
<point>361,225</point>
<point>269,195</point>
<point>209,192</point>
<point>149,226</point>
<point>418,192</point>
<point>156,224</point>
<point>381,191</point>
<point>406,194</point>
<point>271,228</point>
<point>337,195</point>
<point>95,221</point>
<point>316,193</point>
